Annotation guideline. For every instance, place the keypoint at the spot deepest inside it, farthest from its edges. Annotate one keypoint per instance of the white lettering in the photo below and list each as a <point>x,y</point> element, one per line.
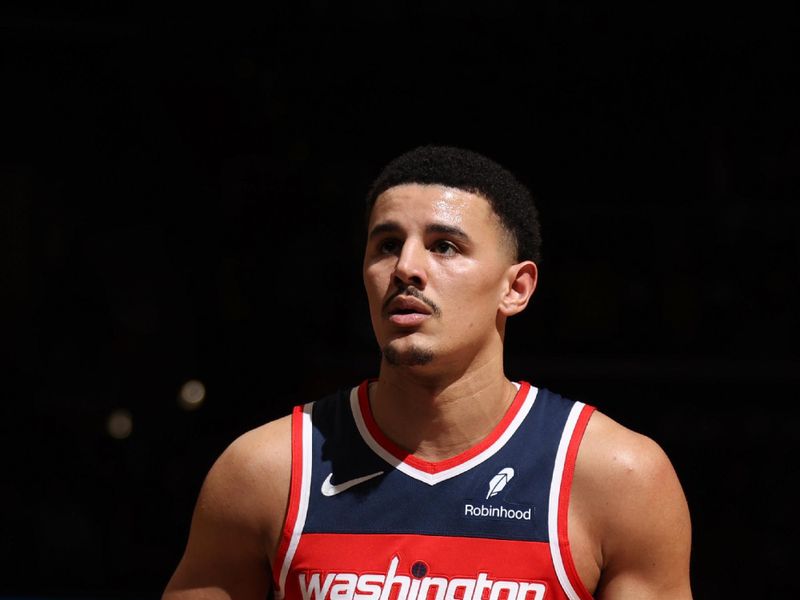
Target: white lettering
<point>344,586</point>
<point>427,583</point>
<point>510,587</point>
<point>525,587</point>
<point>498,511</point>
<point>414,591</point>
<point>313,590</point>
<point>392,580</point>
<point>467,585</point>
<point>369,587</point>
<point>481,585</point>
<point>391,586</point>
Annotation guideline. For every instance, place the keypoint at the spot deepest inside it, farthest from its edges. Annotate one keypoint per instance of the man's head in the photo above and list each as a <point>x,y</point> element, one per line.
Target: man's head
<point>448,257</point>
<point>472,172</point>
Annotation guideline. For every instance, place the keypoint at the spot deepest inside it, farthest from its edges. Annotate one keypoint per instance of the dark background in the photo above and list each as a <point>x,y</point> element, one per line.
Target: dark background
<point>180,197</point>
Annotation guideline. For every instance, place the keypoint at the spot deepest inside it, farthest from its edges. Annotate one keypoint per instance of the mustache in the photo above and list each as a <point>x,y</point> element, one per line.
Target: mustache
<point>412,291</point>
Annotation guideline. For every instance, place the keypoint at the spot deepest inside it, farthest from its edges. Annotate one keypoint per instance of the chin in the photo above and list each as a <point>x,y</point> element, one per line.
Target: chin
<point>408,356</point>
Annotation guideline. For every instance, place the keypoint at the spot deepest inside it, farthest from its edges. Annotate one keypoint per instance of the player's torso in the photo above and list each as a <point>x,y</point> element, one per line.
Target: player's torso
<point>368,522</point>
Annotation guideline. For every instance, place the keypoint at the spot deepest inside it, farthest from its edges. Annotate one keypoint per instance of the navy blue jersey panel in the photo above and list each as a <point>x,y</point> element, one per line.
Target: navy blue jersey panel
<point>338,447</point>
<point>505,496</point>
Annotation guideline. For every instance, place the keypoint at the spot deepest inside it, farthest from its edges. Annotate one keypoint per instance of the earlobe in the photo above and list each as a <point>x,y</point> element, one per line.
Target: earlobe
<point>522,279</point>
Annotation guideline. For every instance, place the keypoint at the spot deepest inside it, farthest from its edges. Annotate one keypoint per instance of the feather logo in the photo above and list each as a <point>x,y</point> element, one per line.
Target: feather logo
<point>499,481</point>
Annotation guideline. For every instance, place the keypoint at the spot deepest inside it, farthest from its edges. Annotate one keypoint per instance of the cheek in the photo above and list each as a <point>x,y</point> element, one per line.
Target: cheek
<point>375,286</point>
<point>477,301</point>
<point>476,284</point>
<point>476,304</point>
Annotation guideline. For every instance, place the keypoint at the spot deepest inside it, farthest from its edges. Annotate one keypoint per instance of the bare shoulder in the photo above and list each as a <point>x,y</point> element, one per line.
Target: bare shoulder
<point>628,499</point>
<point>257,460</point>
<point>614,456</point>
<point>251,479</point>
<point>237,518</point>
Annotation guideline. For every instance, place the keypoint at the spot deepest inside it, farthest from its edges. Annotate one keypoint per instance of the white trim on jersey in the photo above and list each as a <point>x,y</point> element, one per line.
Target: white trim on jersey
<point>302,509</point>
<point>555,494</point>
<point>434,478</point>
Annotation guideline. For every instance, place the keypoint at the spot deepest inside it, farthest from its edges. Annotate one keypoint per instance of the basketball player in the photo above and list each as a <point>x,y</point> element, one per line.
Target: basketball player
<point>441,479</point>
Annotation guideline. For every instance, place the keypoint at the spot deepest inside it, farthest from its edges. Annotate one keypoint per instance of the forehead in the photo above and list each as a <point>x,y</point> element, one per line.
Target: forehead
<point>433,203</point>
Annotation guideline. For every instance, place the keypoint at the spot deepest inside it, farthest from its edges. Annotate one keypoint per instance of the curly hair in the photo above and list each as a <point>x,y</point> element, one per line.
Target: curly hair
<point>474,173</point>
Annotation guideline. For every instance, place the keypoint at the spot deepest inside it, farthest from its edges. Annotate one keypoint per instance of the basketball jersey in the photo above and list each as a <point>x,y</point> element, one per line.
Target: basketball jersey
<point>368,521</point>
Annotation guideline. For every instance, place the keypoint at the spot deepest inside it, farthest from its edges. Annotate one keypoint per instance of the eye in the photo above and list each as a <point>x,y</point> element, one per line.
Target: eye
<point>388,246</point>
<point>444,247</point>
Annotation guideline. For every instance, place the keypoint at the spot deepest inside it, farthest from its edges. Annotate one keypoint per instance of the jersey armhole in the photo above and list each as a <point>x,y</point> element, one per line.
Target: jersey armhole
<point>295,489</point>
<point>578,591</point>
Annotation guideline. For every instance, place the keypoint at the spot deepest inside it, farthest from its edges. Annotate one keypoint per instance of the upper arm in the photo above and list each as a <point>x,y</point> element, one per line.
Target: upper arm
<point>237,520</point>
<point>638,514</point>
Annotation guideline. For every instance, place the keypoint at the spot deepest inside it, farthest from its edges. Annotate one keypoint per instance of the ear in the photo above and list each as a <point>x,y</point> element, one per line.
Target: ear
<point>521,281</point>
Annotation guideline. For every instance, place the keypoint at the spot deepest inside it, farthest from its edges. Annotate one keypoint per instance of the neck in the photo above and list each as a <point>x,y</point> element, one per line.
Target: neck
<point>435,417</point>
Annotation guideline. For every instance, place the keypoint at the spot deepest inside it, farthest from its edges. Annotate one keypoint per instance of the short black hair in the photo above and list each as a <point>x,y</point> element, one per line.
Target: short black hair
<point>472,172</point>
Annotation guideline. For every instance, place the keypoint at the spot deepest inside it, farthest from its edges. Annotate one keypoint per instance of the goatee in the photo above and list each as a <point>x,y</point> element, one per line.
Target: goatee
<point>412,357</point>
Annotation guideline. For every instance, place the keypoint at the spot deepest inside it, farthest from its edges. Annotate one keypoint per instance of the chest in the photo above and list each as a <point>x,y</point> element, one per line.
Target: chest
<point>488,521</point>
<point>504,497</point>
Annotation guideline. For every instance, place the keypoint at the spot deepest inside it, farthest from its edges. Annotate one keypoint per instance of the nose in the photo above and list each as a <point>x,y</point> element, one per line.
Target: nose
<point>410,267</point>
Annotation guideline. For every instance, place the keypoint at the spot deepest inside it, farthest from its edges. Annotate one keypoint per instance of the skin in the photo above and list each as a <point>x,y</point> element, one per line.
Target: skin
<point>629,528</point>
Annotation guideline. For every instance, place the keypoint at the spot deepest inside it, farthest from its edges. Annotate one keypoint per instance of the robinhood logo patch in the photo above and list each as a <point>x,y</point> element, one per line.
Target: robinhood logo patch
<point>501,512</point>
<point>498,512</point>
<point>499,481</point>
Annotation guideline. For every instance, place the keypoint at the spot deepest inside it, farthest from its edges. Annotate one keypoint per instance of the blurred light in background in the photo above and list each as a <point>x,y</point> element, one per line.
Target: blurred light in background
<point>120,424</point>
<point>192,394</point>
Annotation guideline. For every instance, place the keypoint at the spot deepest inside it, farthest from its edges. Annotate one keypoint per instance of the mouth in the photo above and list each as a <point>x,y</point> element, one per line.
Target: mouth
<point>408,311</point>
<point>407,318</point>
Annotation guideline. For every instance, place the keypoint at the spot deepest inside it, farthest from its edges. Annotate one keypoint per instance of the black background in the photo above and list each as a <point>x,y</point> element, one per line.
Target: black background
<point>180,197</point>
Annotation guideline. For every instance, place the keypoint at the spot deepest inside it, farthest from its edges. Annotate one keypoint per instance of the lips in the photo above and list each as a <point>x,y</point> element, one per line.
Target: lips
<point>408,311</point>
<point>407,305</point>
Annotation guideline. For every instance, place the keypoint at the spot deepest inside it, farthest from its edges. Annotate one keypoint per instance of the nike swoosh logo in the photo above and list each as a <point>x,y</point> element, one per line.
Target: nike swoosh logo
<point>328,489</point>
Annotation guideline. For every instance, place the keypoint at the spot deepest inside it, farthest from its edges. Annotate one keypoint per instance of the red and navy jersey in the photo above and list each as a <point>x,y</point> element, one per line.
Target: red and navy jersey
<point>369,521</point>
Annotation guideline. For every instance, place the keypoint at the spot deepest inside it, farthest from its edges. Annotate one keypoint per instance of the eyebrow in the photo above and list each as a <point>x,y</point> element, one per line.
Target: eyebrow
<point>394,227</point>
